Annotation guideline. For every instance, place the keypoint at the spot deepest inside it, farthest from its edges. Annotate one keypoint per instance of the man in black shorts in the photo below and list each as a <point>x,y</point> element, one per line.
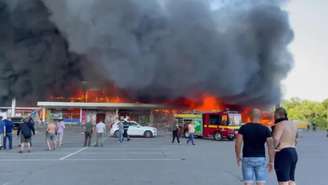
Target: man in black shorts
<point>25,131</point>
<point>285,135</point>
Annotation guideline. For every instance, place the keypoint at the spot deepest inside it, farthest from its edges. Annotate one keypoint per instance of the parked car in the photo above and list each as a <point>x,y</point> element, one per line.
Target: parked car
<point>135,129</point>
<point>17,121</point>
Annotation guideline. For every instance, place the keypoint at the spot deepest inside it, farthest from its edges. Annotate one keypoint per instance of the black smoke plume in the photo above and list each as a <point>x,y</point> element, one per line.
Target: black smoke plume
<point>34,57</point>
<point>155,49</point>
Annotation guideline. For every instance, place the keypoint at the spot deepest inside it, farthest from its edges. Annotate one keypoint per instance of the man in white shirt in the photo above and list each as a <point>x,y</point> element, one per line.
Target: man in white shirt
<point>100,131</point>
<point>191,132</point>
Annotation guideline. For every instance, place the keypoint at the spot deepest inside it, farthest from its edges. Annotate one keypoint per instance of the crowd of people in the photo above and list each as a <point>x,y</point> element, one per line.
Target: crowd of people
<point>24,132</point>
<point>100,131</point>
<point>250,144</point>
<point>178,130</point>
<point>54,133</point>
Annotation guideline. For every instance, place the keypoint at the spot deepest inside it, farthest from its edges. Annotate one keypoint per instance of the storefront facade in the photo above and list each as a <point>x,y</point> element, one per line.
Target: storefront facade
<point>79,112</point>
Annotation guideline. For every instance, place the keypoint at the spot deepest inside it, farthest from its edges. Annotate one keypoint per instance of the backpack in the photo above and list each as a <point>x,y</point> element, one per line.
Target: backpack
<point>26,131</point>
<point>88,127</point>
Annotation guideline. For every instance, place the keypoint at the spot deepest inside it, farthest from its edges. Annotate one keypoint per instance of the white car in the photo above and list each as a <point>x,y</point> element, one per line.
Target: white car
<point>135,129</point>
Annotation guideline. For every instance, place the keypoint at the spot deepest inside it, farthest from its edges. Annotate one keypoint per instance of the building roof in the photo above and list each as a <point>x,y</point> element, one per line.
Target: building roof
<point>98,105</point>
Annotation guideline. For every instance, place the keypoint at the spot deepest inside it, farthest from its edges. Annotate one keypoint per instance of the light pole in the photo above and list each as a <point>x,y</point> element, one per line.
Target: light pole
<point>13,107</point>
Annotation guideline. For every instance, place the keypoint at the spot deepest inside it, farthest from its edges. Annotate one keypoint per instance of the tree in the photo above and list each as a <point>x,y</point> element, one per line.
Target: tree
<point>306,110</point>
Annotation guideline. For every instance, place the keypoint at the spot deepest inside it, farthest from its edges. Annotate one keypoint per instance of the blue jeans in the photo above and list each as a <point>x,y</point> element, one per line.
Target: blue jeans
<point>8,136</point>
<point>120,138</point>
<point>2,138</point>
<point>254,169</point>
<point>191,138</point>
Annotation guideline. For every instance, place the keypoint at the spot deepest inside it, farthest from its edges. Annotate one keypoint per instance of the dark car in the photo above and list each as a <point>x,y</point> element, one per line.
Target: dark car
<point>17,121</point>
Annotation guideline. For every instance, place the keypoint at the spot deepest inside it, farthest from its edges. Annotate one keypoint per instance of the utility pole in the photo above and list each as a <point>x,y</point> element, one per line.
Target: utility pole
<point>13,107</point>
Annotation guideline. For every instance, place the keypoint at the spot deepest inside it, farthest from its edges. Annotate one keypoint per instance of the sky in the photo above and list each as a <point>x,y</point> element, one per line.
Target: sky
<point>309,77</point>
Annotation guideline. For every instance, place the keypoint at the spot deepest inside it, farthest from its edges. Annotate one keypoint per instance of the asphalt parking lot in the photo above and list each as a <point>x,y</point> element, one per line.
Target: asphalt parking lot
<point>146,161</point>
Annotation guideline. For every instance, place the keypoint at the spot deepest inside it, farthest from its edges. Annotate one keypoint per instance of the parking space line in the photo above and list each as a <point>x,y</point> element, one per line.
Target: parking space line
<point>91,159</point>
<point>26,160</point>
<point>34,154</point>
<point>134,148</point>
<point>125,152</point>
<point>128,159</point>
<point>71,154</point>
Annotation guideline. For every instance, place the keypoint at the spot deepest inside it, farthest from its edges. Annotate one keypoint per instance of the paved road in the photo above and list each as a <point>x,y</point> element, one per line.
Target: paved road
<point>146,161</point>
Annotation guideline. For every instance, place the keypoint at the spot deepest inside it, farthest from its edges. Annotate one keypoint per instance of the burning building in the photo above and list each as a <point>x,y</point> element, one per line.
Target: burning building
<point>81,112</point>
<point>157,52</point>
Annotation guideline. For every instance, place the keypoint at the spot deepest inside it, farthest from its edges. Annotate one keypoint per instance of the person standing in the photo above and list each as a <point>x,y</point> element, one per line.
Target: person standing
<point>191,134</point>
<point>285,139</point>
<point>100,131</point>
<point>31,123</point>
<point>88,131</point>
<point>120,131</point>
<point>8,134</point>
<point>51,136</point>
<point>60,132</point>
<point>126,129</point>
<point>253,136</point>
<point>2,132</point>
<point>314,126</point>
<point>25,131</point>
<point>176,133</point>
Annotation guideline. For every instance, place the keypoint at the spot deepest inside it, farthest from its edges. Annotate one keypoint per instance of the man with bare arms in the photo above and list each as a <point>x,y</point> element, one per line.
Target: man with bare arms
<point>285,135</point>
<point>51,136</point>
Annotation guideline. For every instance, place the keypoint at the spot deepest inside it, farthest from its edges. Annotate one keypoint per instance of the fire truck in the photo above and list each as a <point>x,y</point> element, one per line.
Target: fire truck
<point>216,125</point>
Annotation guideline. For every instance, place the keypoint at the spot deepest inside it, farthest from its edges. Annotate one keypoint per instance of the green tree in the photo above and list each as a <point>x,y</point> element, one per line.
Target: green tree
<point>306,110</point>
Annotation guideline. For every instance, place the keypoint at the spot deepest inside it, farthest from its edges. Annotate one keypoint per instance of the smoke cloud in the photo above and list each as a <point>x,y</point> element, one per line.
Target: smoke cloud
<point>152,49</point>
<point>34,57</point>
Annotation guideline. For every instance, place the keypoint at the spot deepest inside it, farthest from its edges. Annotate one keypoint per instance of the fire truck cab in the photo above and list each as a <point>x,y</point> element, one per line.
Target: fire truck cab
<point>216,125</point>
<point>221,125</point>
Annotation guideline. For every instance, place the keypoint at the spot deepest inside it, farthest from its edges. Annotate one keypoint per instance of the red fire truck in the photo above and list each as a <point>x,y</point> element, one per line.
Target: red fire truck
<point>216,125</point>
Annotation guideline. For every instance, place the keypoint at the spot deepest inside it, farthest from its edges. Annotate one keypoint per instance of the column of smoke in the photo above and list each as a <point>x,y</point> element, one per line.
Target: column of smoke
<point>34,57</point>
<point>163,49</point>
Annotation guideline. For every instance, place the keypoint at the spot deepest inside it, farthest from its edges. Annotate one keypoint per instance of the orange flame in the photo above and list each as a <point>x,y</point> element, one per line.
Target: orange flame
<point>266,117</point>
<point>91,96</point>
<point>209,103</point>
<point>203,103</point>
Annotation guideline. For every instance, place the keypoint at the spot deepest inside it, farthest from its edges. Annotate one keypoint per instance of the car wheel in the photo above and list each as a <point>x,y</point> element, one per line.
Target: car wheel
<point>217,136</point>
<point>148,134</point>
<point>116,134</point>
